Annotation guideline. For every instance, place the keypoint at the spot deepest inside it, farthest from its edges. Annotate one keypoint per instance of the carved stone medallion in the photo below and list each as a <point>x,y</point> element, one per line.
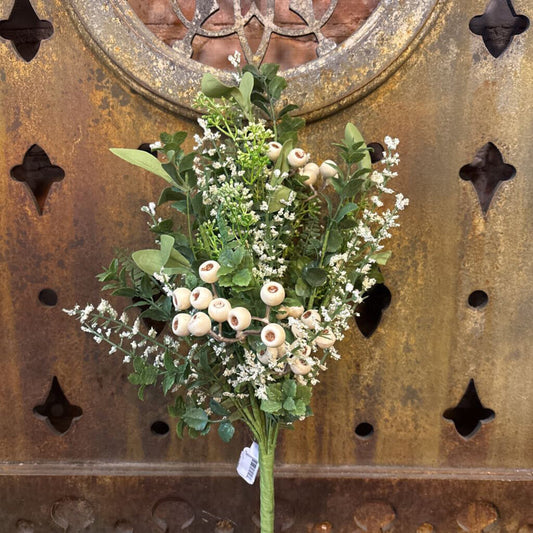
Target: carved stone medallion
<point>337,77</point>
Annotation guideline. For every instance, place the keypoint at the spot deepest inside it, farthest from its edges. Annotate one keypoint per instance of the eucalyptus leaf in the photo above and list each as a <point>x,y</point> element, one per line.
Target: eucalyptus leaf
<point>226,431</point>
<point>196,418</point>
<point>144,160</point>
<point>148,261</point>
<point>348,208</point>
<point>316,277</point>
<point>167,243</point>
<point>214,88</point>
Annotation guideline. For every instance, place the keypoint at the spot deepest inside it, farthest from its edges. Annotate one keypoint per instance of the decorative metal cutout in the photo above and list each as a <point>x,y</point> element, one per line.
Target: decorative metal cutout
<point>486,172</point>
<point>477,517</point>
<point>377,153</point>
<point>364,430</point>
<point>172,515</point>
<point>478,299</point>
<point>74,515</point>
<point>160,428</point>
<point>469,413</point>
<point>205,10</point>
<point>374,517</point>
<point>498,25</point>
<point>370,310</point>
<point>48,297</point>
<point>25,29</point>
<point>57,410</point>
<point>38,173</point>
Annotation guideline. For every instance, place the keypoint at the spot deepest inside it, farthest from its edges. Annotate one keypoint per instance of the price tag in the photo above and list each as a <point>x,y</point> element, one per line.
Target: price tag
<point>249,463</point>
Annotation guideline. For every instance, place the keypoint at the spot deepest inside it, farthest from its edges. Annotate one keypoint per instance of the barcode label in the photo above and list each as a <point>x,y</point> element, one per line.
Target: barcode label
<point>249,463</point>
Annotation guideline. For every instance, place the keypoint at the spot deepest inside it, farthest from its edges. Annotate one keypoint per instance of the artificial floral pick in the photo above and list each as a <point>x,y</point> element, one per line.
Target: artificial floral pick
<point>258,274</point>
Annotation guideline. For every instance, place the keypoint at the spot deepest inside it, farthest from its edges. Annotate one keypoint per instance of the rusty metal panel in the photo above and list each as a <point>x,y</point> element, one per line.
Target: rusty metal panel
<point>463,116</point>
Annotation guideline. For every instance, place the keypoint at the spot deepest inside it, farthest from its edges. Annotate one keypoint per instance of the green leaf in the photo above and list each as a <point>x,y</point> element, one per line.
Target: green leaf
<point>214,88</point>
<point>134,379</point>
<point>304,393</point>
<point>180,426</point>
<point>226,431</point>
<point>168,383</point>
<point>148,261</point>
<point>289,388</point>
<point>144,160</point>
<point>289,405</point>
<point>302,288</point>
<point>282,193</point>
<point>245,89</point>
<point>167,243</point>
<point>335,241</point>
<point>242,278</point>
<point>348,208</point>
<point>299,408</point>
<point>316,277</point>
<point>269,406</point>
<point>170,195</point>
<point>352,136</point>
<point>381,258</point>
<point>274,392</point>
<point>217,408</point>
<point>196,418</point>
<point>351,188</point>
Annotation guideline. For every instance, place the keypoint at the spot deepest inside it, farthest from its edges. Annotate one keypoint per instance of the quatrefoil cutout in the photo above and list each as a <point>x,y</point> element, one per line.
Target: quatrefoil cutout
<point>25,29</point>
<point>498,25</point>
<point>38,174</point>
<point>58,412</point>
<point>486,171</point>
<point>469,414</point>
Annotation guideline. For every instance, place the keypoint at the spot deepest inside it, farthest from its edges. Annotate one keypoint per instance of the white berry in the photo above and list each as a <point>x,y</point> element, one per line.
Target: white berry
<point>272,293</point>
<point>199,325</point>
<point>273,335</point>
<point>201,298</point>
<point>274,149</point>
<point>239,318</point>
<point>328,169</point>
<point>311,318</point>
<point>326,339</point>
<point>297,158</point>
<point>208,271</point>
<point>181,298</point>
<point>219,309</point>
<point>299,366</point>
<point>180,324</point>
<point>311,171</point>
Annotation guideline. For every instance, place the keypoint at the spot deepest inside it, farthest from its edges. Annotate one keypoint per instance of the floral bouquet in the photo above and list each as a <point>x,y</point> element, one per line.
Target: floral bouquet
<point>259,273</point>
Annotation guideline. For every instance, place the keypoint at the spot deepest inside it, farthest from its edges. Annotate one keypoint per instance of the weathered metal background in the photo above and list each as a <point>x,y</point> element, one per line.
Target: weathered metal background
<point>445,96</point>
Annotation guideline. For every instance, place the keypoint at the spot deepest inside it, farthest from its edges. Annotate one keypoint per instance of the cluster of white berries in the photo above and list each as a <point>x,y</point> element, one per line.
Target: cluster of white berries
<point>299,159</point>
<point>272,334</point>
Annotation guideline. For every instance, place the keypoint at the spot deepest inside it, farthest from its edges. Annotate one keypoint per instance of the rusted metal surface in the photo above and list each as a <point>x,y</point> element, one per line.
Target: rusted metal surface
<point>449,98</point>
<point>152,504</point>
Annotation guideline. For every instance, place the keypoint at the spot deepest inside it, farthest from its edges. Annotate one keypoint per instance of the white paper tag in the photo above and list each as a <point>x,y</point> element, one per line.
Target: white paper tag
<point>249,463</point>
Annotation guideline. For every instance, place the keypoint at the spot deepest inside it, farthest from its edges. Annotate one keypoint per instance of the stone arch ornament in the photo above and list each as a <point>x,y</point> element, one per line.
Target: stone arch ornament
<point>338,77</point>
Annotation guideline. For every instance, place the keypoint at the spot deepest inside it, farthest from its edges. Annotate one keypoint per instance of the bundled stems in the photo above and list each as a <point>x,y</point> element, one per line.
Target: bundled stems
<point>267,451</point>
